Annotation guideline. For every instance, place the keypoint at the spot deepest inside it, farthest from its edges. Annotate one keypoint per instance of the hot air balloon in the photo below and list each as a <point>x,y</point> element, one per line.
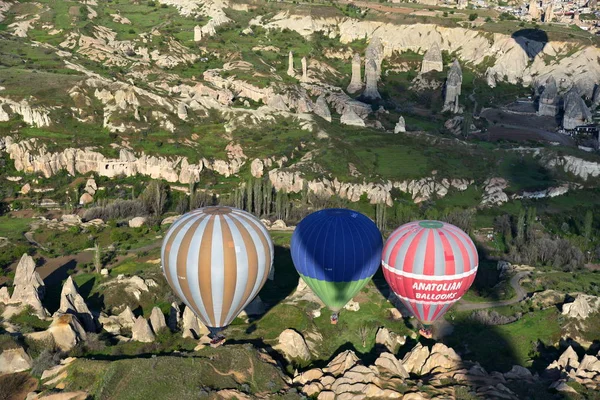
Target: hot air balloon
<point>216,259</point>
<point>430,265</point>
<point>336,251</point>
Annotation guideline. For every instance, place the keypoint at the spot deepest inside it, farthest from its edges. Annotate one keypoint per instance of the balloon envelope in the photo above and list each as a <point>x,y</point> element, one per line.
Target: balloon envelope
<point>430,265</point>
<point>336,252</point>
<point>216,259</point>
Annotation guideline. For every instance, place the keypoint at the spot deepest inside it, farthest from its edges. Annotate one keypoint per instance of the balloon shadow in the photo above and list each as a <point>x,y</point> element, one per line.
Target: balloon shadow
<point>531,40</point>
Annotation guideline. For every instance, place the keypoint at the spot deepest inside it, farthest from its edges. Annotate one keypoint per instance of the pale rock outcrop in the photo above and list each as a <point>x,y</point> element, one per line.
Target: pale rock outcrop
<point>576,166</point>
<point>133,286</point>
<point>371,79</point>
<point>349,117</point>
<point>85,198</point>
<point>582,307</point>
<point>25,189</point>
<point>549,13</point>
<point>257,168</point>
<point>141,331</point>
<point>4,295</point>
<point>341,363</point>
<point>28,290</point>
<point>375,52</point>
<point>432,60</point>
<point>170,219</point>
<point>453,89</point>
<point>494,194</point>
<point>126,318</point>
<point>293,345</point>
<point>568,359</point>
<point>71,302</point>
<point>519,373</point>
<point>192,327</point>
<point>157,320</point>
<point>414,361</point>
<point>136,222</point>
<point>534,9</point>
<point>441,358</point>
<point>400,125</point>
<point>14,360</point>
<point>322,109</point>
<point>390,363</point>
<point>35,116</point>
<point>389,340</point>
<point>197,33</point>
<point>65,330</point>
<point>352,305</point>
<point>576,111</point>
<point>356,80</point>
<point>304,77</point>
<point>549,98</point>
<point>290,70</point>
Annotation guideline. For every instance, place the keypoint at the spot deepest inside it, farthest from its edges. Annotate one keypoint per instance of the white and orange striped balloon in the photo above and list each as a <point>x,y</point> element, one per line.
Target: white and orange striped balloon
<point>216,259</point>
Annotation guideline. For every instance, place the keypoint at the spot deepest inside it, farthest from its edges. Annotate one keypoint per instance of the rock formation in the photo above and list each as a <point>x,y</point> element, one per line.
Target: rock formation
<point>371,78</point>
<point>14,360</point>
<point>304,70</point>
<point>374,52</point>
<point>570,367</point>
<point>349,117</point>
<point>65,331</point>
<point>29,289</point>
<point>549,98</point>
<point>293,345</point>
<point>453,89</point>
<point>290,70</point>
<point>432,60</point>
<point>462,4</point>
<point>582,307</point>
<point>534,9</point>
<point>549,13</point>
<point>356,80</point>
<point>576,111</point>
<point>197,33</point>
<point>157,320</point>
<point>400,125</point>
<point>322,109</point>
<point>71,302</point>
<point>192,327</point>
<point>389,340</point>
<point>141,331</point>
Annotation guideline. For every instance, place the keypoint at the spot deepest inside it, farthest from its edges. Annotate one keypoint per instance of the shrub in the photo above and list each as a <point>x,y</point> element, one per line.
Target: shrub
<point>472,16</point>
<point>46,360</point>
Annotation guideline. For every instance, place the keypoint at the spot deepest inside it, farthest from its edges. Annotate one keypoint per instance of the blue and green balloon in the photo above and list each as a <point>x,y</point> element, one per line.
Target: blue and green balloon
<point>336,251</point>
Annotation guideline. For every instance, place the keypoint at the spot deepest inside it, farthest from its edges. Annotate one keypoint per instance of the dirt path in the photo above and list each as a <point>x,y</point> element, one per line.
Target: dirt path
<point>515,283</point>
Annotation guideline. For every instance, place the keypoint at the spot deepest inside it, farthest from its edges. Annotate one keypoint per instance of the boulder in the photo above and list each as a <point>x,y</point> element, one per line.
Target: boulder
<point>350,117</point>
<point>389,340</point>
<point>341,363</point>
<point>157,320</point>
<point>390,363</point>
<point>90,186</point>
<point>86,198</point>
<point>352,306</point>
<point>192,326</point>
<point>257,167</point>
<point>141,331</point>
<point>71,302</point>
<point>326,395</point>
<point>26,189</point>
<point>137,222</point>
<point>293,345</point>
<point>561,386</point>
<point>126,318</point>
<point>322,109</point>
<point>309,376</point>
<point>312,388</point>
<point>72,219</point>
<point>170,220</point>
<point>590,363</point>
<point>66,331</point>
<point>400,125</point>
<point>14,360</point>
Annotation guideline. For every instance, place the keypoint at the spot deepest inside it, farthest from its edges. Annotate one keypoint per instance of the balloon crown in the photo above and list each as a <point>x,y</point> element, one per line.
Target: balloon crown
<point>431,224</point>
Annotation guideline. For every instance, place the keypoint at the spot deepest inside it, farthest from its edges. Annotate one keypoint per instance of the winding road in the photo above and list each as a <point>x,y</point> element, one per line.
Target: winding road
<point>515,283</point>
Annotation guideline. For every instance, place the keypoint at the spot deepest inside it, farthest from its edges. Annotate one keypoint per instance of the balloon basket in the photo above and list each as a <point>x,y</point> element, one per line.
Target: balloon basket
<point>217,341</point>
<point>334,319</point>
<point>426,333</point>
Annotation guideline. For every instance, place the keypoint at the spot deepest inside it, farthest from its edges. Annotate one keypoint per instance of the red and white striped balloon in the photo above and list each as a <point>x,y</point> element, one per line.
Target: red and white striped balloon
<point>430,265</point>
